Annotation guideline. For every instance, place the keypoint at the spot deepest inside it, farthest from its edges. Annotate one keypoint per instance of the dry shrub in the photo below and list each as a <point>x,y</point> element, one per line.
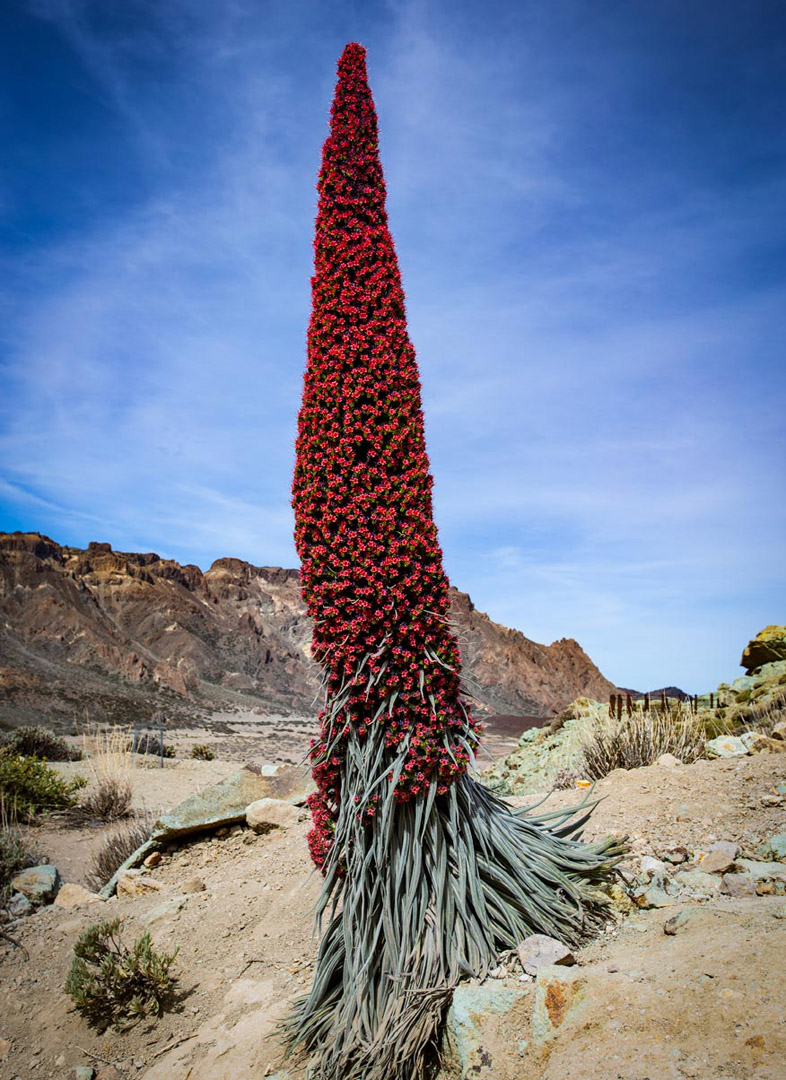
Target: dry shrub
<point>111,765</point>
<point>116,848</point>
<point>639,739</point>
<point>38,742</point>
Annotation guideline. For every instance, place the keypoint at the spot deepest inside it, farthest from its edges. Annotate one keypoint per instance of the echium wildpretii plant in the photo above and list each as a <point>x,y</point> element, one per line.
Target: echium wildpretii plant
<point>427,874</point>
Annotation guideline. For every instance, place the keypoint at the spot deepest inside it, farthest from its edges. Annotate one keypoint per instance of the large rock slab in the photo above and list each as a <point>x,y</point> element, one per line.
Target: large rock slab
<point>40,884</point>
<point>767,647</point>
<point>484,1024</point>
<point>266,814</point>
<point>559,995</point>
<point>225,803</point>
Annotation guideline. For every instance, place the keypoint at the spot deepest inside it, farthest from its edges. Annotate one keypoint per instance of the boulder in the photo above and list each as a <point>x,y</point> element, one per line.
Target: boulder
<point>758,743</point>
<point>226,803</point>
<point>482,1023</point>
<point>266,814</point>
<point>763,871</point>
<point>726,746</point>
<point>737,885</point>
<point>40,884</point>
<point>559,996</point>
<point>767,647</point>
<point>652,896</point>
<point>779,731</point>
<point>774,847</point>
<point>539,949</point>
<point>72,895</point>
<point>699,882</point>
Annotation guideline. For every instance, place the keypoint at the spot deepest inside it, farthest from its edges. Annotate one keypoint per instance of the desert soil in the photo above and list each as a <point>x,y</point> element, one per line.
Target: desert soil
<point>707,1004</point>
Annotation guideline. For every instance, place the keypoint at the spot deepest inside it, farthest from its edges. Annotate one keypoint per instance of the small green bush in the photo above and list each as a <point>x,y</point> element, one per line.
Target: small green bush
<point>111,984</point>
<point>28,786</point>
<point>39,742</point>
<point>202,752</point>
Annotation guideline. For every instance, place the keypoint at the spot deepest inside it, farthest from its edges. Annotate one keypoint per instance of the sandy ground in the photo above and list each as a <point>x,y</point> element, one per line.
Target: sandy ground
<point>707,1004</point>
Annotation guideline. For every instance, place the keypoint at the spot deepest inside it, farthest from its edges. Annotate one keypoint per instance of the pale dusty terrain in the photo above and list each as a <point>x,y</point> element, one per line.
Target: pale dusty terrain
<point>705,1004</point>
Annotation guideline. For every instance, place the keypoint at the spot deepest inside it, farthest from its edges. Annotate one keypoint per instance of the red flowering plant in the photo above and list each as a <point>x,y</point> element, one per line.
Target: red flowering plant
<point>434,874</point>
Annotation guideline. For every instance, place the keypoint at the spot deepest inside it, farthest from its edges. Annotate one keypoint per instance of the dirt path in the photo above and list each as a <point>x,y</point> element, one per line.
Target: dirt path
<point>706,1004</point>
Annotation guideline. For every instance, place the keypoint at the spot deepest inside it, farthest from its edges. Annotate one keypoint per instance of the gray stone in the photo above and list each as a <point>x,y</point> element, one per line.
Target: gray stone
<point>84,1072</point>
<point>559,996</point>
<point>774,847</point>
<point>699,882</point>
<point>717,862</point>
<point>726,746</point>
<point>266,814</point>
<point>539,949</point>
<point>728,847</point>
<point>763,871</point>
<point>668,761</point>
<point>737,885</point>
<point>226,803</point>
<point>679,922</point>
<point>18,906</point>
<point>651,866</point>
<point>676,855</point>
<point>479,1018</point>
<point>653,896</point>
<point>38,883</point>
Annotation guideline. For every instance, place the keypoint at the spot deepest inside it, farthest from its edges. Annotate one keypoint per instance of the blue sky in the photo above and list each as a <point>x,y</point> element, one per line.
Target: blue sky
<point>587,200</point>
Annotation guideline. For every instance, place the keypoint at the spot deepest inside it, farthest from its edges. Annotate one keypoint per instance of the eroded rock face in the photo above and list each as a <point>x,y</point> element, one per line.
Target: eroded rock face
<point>130,634</point>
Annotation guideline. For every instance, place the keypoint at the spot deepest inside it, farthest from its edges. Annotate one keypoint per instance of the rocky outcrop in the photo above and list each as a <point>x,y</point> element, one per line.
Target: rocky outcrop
<point>124,635</point>
<point>768,647</point>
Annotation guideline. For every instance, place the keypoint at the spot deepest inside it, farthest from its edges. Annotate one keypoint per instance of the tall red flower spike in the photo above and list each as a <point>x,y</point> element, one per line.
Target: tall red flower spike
<point>371,566</point>
<point>434,874</point>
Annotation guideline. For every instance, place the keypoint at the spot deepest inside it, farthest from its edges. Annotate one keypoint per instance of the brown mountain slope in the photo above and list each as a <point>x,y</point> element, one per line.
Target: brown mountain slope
<point>110,634</point>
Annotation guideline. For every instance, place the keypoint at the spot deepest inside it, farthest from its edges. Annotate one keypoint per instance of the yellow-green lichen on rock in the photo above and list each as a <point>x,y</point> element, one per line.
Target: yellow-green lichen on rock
<point>767,647</point>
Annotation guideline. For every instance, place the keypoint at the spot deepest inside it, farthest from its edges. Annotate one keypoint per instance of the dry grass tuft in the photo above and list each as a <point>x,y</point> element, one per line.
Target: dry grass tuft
<point>110,762</point>
<point>116,848</point>
<point>640,738</point>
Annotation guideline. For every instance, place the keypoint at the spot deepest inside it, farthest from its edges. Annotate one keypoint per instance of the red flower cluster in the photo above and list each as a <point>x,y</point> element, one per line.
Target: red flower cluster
<point>371,565</point>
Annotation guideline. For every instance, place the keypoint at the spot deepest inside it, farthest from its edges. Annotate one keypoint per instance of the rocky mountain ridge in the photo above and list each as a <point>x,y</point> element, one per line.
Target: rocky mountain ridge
<point>106,634</point>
